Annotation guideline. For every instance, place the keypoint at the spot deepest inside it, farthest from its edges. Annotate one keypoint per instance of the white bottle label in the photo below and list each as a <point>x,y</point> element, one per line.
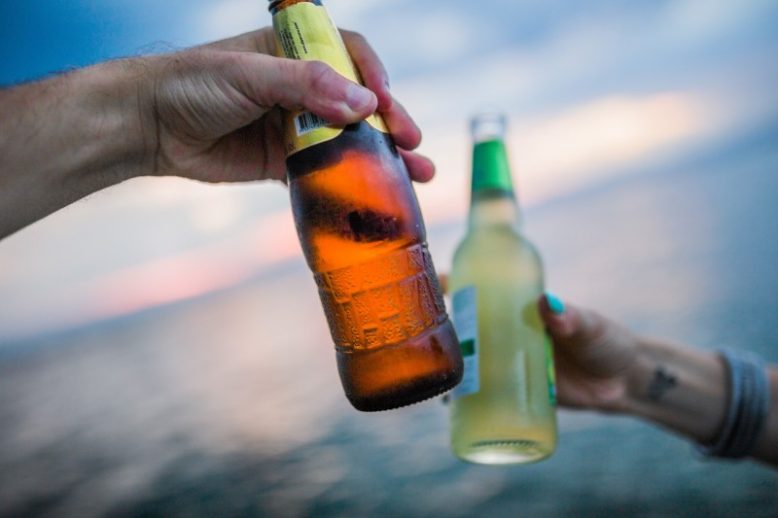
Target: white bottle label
<point>466,324</point>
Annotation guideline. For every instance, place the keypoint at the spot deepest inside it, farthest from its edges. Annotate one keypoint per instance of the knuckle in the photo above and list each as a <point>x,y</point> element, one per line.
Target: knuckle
<point>359,39</point>
<point>352,36</point>
<point>317,75</point>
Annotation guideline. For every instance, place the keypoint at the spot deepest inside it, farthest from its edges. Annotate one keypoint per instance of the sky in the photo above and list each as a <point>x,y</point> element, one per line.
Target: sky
<point>593,90</point>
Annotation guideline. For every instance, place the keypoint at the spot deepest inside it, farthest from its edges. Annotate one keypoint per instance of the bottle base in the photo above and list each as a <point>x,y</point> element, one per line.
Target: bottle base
<point>512,451</point>
<point>395,376</point>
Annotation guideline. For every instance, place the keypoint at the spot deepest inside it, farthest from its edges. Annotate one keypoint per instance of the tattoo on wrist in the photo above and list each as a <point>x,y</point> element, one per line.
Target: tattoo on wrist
<point>661,383</point>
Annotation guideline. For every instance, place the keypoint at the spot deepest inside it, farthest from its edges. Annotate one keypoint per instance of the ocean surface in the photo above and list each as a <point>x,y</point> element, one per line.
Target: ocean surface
<point>230,405</point>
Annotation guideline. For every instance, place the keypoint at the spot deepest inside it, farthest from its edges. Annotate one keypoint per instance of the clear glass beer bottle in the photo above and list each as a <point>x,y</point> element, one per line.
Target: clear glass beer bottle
<point>503,412</point>
<point>362,233</point>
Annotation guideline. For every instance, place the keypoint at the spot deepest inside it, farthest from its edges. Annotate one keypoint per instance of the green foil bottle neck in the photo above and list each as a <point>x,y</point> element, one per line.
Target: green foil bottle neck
<point>493,202</point>
<point>491,170</point>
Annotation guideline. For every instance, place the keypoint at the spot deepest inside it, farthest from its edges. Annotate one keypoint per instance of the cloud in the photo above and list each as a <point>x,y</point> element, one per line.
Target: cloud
<point>591,91</point>
<point>695,20</point>
<point>577,146</point>
<point>227,18</point>
<point>562,151</point>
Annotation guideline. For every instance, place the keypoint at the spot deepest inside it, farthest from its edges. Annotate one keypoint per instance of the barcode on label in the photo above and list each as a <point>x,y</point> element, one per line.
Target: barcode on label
<point>307,121</point>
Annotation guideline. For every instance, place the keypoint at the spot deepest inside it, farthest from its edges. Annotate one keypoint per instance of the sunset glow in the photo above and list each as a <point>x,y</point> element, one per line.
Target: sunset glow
<point>591,94</point>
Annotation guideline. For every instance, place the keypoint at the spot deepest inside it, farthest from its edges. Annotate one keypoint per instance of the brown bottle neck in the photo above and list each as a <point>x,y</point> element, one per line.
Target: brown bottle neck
<point>279,5</point>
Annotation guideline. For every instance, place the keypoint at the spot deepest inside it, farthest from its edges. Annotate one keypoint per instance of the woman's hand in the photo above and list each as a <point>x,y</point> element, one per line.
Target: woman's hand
<point>593,356</point>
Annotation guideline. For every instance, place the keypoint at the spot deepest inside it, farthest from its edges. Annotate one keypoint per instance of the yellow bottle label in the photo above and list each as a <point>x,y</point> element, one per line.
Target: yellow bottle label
<point>305,31</point>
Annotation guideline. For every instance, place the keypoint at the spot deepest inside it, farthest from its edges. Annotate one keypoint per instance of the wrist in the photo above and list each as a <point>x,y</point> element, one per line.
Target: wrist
<point>644,369</point>
<point>100,132</point>
<point>682,389</point>
<point>68,136</point>
<point>119,117</point>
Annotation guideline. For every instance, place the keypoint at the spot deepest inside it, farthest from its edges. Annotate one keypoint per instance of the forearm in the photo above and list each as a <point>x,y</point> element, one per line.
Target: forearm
<point>687,390</point>
<point>66,137</point>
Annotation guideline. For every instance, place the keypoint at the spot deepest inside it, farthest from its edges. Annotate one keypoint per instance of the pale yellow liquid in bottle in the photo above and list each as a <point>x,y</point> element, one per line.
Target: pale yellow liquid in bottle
<point>511,418</point>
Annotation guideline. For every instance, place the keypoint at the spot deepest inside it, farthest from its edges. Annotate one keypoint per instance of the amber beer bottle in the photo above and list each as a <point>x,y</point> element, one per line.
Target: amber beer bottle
<point>503,412</point>
<point>363,236</point>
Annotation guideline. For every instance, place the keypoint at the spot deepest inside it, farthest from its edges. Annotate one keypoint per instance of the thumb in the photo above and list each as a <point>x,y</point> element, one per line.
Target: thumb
<point>568,325</point>
<point>311,85</point>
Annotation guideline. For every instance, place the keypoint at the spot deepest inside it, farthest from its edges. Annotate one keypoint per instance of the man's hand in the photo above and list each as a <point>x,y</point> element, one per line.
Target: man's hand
<point>211,113</point>
<point>215,110</point>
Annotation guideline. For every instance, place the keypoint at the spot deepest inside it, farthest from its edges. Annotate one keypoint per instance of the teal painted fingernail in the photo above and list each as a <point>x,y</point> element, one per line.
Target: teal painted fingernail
<point>555,303</point>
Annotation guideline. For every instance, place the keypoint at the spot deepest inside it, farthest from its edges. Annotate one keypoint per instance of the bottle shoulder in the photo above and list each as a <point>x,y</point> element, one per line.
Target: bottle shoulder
<point>359,138</point>
<point>504,239</point>
<point>495,256</point>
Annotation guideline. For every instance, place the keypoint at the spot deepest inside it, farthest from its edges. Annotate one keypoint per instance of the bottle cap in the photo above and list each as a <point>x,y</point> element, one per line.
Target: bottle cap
<point>488,126</point>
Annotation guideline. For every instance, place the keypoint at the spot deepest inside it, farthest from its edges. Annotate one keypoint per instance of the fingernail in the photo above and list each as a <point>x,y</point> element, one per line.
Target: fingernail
<point>358,97</point>
<point>555,303</point>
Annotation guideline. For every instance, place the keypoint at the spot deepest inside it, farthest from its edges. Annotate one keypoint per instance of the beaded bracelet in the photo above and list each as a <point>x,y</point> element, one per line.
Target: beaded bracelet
<point>747,406</point>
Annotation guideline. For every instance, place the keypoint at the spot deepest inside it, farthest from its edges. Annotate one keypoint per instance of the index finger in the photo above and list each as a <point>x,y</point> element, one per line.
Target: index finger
<point>365,58</point>
<point>370,67</point>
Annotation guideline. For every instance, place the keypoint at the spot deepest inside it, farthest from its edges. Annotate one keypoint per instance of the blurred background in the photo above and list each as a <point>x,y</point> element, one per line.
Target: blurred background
<point>162,347</point>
